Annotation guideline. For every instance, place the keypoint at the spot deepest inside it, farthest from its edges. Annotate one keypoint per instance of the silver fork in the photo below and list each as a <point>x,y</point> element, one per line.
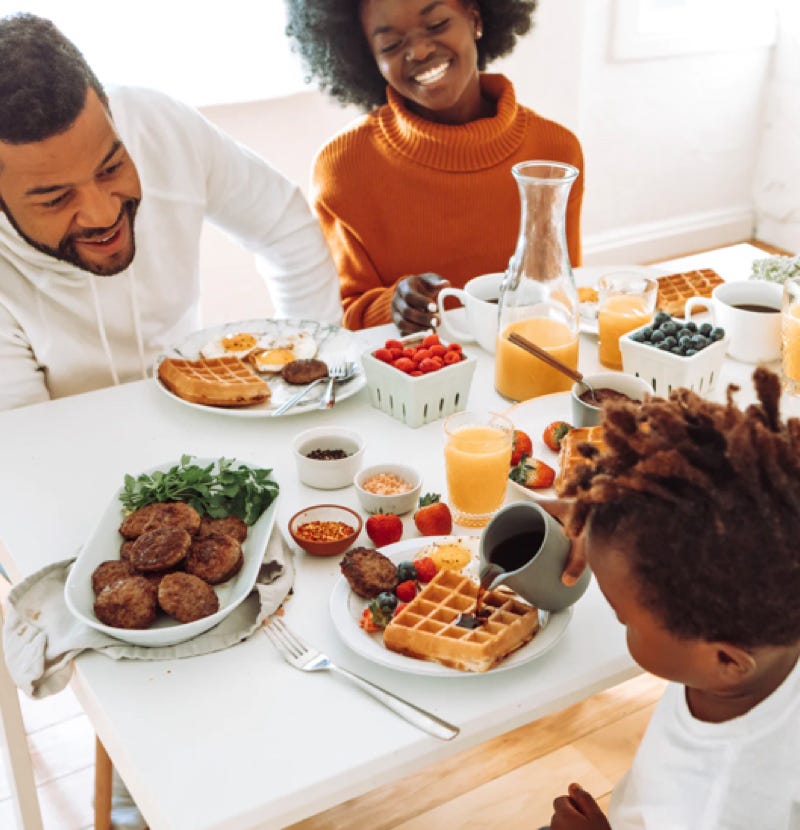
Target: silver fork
<point>335,373</point>
<point>303,657</point>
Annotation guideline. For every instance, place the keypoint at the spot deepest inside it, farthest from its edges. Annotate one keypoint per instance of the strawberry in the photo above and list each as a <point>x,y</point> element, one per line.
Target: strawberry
<point>400,606</point>
<point>433,516</point>
<point>554,434</point>
<point>406,591</point>
<point>426,568</point>
<point>533,474</point>
<point>521,444</point>
<point>384,528</point>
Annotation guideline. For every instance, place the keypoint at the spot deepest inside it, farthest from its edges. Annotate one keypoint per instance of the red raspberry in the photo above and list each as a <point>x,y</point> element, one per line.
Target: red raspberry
<point>451,357</point>
<point>404,364</point>
<point>431,340</point>
<point>406,591</point>
<point>428,365</point>
<point>393,344</point>
<point>383,354</point>
<point>426,569</point>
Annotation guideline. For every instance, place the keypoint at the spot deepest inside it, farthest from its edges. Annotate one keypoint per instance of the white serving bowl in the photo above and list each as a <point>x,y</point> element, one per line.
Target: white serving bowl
<point>398,503</point>
<point>334,473</point>
<point>587,415</point>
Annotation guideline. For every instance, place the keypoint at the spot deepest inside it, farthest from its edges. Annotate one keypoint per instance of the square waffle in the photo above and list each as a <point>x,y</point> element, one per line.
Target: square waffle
<point>426,628</point>
<point>218,381</point>
<point>675,289</point>
<point>569,457</point>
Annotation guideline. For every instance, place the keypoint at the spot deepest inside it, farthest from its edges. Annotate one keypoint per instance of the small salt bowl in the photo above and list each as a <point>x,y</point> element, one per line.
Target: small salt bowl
<point>383,476</point>
<point>308,529</point>
<point>328,473</point>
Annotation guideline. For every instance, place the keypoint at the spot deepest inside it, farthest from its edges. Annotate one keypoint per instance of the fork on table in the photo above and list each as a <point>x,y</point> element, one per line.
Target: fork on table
<point>305,658</point>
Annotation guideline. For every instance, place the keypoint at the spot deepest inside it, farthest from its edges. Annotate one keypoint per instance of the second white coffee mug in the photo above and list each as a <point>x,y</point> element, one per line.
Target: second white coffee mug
<point>478,319</point>
<point>750,313</point>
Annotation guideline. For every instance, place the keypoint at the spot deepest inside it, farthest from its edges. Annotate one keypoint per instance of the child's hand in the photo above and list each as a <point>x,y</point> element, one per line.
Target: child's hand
<point>577,811</point>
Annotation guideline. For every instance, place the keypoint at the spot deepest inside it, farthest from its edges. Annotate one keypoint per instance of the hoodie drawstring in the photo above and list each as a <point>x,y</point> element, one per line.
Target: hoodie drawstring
<point>137,328</point>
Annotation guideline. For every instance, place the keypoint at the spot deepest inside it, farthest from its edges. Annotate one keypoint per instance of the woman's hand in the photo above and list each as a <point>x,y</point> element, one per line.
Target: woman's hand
<point>414,302</point>
<point>576,558</point>
<point>577,811</point>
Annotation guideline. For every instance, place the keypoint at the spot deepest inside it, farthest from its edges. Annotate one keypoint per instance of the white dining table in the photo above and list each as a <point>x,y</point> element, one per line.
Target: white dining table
<point>239,739</point>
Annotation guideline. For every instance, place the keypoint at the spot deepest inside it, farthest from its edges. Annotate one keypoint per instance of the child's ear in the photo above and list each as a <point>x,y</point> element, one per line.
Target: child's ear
<point>733,663</point>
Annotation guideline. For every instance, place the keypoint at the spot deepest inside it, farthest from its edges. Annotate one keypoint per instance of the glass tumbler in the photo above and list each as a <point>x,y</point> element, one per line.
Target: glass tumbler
<point>626,301</point>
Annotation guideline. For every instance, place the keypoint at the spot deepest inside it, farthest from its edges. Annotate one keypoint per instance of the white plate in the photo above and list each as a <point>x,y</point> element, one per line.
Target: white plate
<point>589,277</point>
<point>334,345</point>
<point>104,543</point>
<point>532,416</point>
<point>346,608</point>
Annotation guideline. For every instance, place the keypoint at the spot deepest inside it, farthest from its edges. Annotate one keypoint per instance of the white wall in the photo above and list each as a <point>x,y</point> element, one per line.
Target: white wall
<point>777,188</point>
<point>670,143</point>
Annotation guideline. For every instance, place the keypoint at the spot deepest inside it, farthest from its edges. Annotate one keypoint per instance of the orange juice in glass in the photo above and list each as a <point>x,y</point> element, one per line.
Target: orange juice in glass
<point>790,335</point>
<point>477,457</point>
<point>519,375</point>
<point>626,301</point>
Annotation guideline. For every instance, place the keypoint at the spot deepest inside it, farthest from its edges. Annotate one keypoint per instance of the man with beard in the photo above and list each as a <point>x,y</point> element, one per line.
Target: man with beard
<point>117,186</point>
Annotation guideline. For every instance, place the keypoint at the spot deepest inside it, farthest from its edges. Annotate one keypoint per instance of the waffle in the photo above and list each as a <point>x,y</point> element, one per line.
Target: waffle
<point>675,289</point>
<point>569,457</point>
<point>218,381</point>
<point>425,629</point>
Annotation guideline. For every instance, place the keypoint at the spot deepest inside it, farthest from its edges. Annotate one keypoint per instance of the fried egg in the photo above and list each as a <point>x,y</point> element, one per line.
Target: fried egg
<point>449,554</point>
<point>275,351</point>
<point>238,345</point>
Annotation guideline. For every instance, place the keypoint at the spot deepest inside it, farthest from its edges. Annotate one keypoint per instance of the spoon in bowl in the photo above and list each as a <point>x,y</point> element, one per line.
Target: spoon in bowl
<point>537,351</point>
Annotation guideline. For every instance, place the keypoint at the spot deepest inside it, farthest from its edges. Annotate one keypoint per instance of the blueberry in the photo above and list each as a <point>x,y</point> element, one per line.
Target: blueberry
<point>691,325</point>
<point>647,332</point>
<point>683,332</point>
<point>663,346</point>
<point>705,329</point>
<point>669,327</point>
<point>684,340</point>
<point>657,336</point>
<point>406,571</point>
<point>691,352</point>
<point>677,350</point>
<point>660,318</point>
<point>699,342</point>
<point>638,336</point>
<point>670,341</point>
<point>387,601</point>
<point>717,333</point>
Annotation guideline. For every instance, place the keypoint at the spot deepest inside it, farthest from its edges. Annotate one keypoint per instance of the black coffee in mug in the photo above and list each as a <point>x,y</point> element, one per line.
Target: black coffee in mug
<point>762,309</point>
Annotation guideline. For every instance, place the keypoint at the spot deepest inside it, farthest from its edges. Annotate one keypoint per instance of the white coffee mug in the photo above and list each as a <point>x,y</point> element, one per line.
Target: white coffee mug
<point>480,300</point>
<point>750,313</point>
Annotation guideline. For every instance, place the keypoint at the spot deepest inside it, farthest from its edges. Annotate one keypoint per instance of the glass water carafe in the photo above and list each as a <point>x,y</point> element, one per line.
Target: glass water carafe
<point>538,298</point>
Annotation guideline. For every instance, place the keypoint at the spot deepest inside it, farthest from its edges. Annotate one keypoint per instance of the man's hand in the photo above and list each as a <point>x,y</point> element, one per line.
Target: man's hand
<point>414,302</point>
<point>576,559</point>
<point>577,811</point>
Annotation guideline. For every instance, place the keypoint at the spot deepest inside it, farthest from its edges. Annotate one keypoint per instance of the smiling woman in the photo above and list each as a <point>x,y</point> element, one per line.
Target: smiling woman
<point>440,137</point>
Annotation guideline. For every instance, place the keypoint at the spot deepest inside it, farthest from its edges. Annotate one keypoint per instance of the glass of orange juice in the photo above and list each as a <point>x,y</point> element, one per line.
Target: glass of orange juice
<point>790,335</point>
<point>626,301</point>
<point>477,457</point>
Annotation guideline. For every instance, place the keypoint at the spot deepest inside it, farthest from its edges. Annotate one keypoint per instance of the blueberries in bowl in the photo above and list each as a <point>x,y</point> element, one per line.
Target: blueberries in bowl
<point>679,337</point>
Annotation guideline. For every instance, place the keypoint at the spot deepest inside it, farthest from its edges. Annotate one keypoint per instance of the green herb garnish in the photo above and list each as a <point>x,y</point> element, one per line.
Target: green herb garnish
<point>223,488</point>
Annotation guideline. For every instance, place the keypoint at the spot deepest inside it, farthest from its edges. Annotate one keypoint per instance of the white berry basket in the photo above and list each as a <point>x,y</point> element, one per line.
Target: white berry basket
<point>418,400</point>
<point>665,371</point>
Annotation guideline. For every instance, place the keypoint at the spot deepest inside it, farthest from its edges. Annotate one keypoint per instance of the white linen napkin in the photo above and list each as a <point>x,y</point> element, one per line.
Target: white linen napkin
<point>41,637</point>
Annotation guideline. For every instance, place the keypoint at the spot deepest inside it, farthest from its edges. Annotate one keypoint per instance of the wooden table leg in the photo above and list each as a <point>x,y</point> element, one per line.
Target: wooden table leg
<point>102,787</point>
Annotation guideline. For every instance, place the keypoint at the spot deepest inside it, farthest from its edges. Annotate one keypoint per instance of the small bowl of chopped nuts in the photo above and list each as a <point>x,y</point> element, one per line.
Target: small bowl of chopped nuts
<point>388,488</point>
<point>328,457</point>
<point>325,529</point>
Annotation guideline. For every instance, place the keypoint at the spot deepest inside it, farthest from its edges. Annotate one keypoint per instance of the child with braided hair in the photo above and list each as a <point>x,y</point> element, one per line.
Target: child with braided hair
<point>691,525</point>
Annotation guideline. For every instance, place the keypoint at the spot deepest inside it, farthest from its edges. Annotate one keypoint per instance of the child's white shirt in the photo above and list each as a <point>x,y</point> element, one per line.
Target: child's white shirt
<point>743,774</point>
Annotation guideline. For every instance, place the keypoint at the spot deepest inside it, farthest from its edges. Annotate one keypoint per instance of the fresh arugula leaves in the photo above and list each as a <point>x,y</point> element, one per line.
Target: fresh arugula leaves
<point>223,488</point>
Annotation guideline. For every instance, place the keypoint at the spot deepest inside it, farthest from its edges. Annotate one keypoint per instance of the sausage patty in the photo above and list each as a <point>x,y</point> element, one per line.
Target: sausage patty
<point>304,371</point>
<point>368,572</point>
<point>230,525</point>
<point>110,571</point>
<point>160,514</point>
<point>160,549</point>
<point>187,597</point>
<point>215,557</point>
<point>127,603</point>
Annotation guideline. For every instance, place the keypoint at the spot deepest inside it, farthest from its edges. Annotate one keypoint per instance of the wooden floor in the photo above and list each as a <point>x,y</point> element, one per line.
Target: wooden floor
<point>512,779</point>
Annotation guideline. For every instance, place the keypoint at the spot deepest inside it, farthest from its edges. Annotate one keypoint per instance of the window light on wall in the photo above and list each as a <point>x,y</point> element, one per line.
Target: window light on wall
<point>201,53</point>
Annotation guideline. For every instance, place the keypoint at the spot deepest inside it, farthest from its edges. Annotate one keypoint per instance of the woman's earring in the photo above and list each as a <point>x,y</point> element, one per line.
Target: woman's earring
<point>478,33</point>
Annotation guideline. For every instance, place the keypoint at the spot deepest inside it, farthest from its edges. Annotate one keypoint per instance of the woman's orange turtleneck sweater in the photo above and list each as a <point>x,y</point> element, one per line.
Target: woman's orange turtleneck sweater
<point>397,195</point>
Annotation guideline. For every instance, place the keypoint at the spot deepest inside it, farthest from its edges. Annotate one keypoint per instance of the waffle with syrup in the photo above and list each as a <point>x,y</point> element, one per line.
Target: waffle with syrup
<point>427,629</point>
<point>569,457</point>
<point>675,289</point>
<point>217,381</point>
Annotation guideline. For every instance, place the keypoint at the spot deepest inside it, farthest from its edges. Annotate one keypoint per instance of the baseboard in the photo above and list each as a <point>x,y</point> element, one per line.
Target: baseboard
<point>652,241</point>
